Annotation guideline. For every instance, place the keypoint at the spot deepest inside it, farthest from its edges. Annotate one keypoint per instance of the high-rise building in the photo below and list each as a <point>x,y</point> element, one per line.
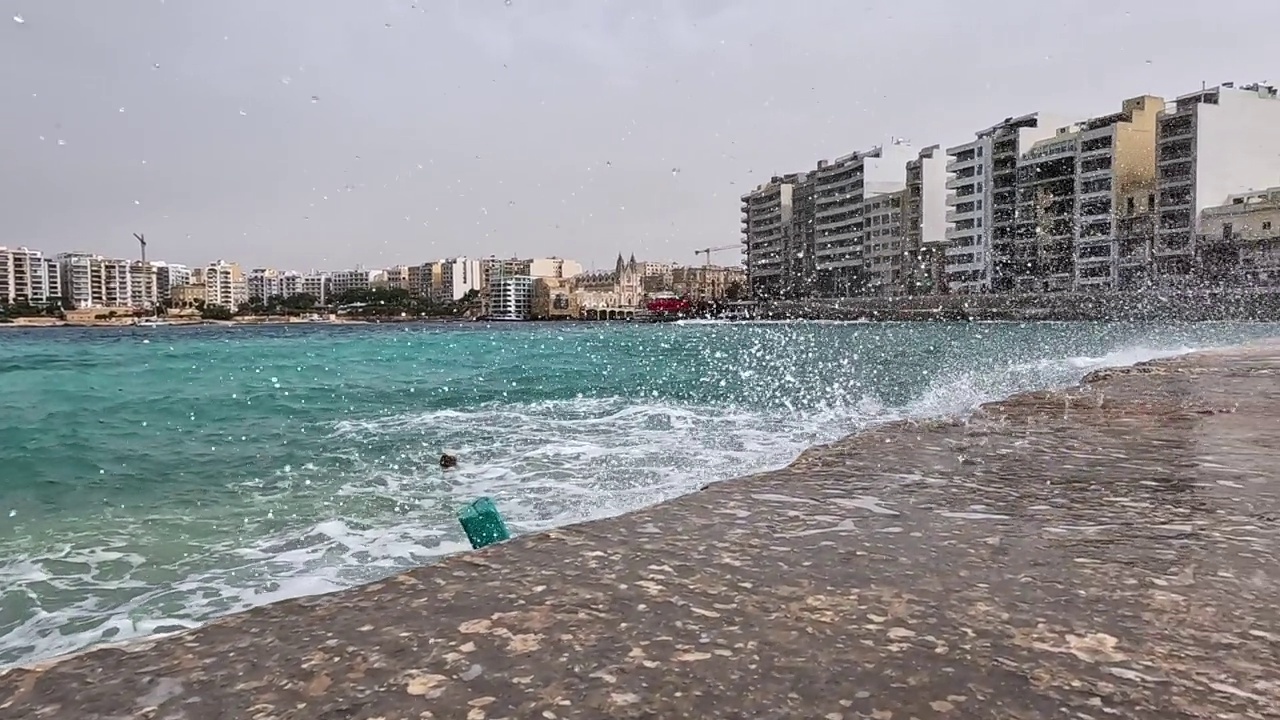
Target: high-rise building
<point>27,277</point>
<point>766,212</point>
<point>510,297</point>
<point>90,280</point>
<point>458,276</point>
<point>143,285</point>
<point>981,207</point>
<point>341,281</point>
<point>1115,189</point>
<point>841,188</point>
<point>924,222</point>
<point>883,243</point>
<point>169,276</point>
<point>224,284</point>
<point>1211,144</point>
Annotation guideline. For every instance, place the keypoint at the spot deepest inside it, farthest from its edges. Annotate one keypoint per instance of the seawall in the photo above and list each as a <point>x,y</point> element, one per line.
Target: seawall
<point>1109,550</point>
<point>1237,305</point>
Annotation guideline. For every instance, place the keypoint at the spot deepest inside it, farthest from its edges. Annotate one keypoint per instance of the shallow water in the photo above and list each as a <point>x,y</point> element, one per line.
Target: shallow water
<point>153,478</point>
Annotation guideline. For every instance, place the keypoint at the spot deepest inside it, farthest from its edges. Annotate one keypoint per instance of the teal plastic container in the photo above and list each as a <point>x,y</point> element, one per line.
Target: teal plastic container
<point>483,523</point>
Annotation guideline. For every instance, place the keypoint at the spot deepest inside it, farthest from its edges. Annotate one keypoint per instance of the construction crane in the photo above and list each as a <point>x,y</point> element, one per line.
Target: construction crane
<point>710,250</point>
<point>143,243</point>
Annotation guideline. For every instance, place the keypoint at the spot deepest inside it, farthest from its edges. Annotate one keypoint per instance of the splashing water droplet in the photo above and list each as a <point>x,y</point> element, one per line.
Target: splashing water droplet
<point>20,20</point>
<point>386,25</point>
<point>675,171</point>
<point>137,202</point>
<point>61,141</point>
<point>315,99</point>
<point>155,66</point>
<point>506,2</point>
<point>286,80</point>
<point>243,112</point>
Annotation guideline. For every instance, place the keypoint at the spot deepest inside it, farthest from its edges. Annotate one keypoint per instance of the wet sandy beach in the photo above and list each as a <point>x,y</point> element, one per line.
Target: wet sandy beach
<point>1105,551</point>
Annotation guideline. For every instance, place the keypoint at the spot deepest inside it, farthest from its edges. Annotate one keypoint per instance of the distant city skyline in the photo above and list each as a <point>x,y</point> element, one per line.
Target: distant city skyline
<point>327,134</point>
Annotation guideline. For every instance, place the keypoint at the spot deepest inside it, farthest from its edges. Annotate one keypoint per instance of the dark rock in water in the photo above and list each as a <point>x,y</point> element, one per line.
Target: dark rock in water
<point>448,461</point>
<point>1104,551</point>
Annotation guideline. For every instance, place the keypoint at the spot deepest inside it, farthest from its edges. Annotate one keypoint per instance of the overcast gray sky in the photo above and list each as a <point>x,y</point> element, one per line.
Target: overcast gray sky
<point>325,133</point>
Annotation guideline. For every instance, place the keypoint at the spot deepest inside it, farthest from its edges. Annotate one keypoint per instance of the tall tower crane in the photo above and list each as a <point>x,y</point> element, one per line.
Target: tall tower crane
<point>710,250</point>
<point>142,242</point>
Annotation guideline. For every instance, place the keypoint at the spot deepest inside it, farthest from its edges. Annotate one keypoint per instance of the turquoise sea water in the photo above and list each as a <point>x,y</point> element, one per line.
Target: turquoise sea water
<point>153,478</point>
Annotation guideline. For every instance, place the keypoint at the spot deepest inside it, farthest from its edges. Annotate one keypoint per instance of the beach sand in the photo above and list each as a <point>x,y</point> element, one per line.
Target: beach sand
<point>1103,551</point>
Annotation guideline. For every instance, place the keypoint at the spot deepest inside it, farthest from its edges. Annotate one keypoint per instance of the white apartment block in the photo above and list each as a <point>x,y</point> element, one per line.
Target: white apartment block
<point>224,284</point>
<point>94,281</point>
<point>510,298</point>
<point>28,277</point>
<point>767,212</point>
<point>457,277</point>
<point>342,281</point>
<point>981,204</point>
<point>841,188</point>
<point>1211,144</point>
<point>314,284</point>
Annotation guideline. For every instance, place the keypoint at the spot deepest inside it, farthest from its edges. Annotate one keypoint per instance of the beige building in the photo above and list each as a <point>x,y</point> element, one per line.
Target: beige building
<point>622,288</point>
<point>1239,242</point>
<point>552,267</point>
<point>709,282</point>
<point>187,296</point>
<point>554,299</point>
<point>225,285</point>
<point>1116,197</point>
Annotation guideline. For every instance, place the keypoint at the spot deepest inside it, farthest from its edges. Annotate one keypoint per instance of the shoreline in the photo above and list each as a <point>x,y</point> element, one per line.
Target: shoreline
<point>789,535</point>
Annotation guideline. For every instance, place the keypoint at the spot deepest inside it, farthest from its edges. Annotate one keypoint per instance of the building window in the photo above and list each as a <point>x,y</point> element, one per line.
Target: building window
<point>1266,224</point>
<point>1129,205</point>
<point>1151,202</point>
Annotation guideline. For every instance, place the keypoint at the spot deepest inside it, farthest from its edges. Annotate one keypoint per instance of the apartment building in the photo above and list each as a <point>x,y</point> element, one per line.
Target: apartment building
<point>1212,144</point>
<point>262,283</point>
<point>841,189</point>
<point>510,298</point>
<point>767,212</point>
<point>341,281</point>
<point>224,284</point>
<point>1039,256</point>
<point>397,278</point>
<point>1115,193</point>
<point>552,267</point>
<point>459,276</point>
<point>982,199</point>
<point>883,243</point>
<point>924,222</point>
<point>90,280</point>
<point>169,276</point>
<point>314,284</point>
<point>1239,242</point>
<point>144,287</point>
<point>28,277</point>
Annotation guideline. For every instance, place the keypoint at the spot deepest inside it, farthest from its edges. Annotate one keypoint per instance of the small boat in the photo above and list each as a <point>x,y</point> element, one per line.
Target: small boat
<point>152,322</point>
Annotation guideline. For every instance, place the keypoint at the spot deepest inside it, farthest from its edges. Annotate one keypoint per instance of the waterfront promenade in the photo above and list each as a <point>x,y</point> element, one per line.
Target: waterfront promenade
<point>1107,551</point>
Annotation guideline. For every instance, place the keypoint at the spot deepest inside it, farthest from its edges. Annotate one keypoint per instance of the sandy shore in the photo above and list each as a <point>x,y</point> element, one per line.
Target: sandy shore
<point>1108,551</point>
